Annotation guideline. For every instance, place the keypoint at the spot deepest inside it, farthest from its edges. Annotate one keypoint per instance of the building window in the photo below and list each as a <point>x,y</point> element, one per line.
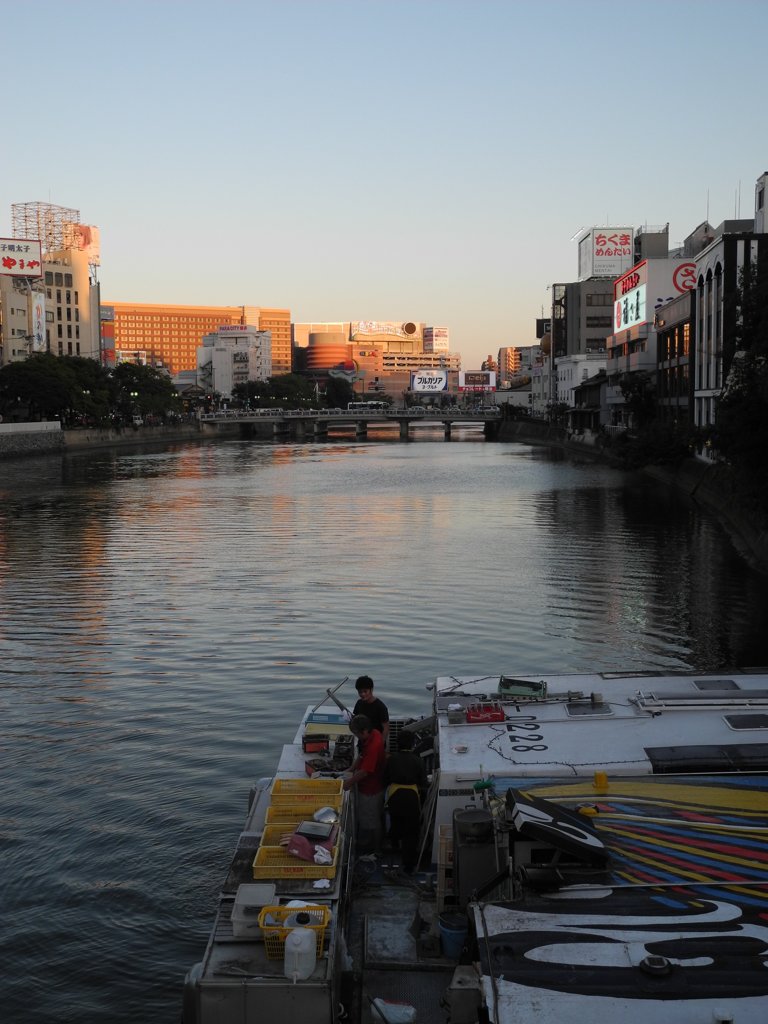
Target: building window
<point>48,277</point>
<point>58,279</point>
<point>67,280</point>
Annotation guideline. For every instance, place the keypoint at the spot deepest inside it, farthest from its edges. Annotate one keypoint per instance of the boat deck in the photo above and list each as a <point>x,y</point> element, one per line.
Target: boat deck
<point>624,872</point>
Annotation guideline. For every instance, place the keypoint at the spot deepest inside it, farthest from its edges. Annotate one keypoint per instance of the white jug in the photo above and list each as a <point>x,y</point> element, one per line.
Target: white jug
<point>300,954</point>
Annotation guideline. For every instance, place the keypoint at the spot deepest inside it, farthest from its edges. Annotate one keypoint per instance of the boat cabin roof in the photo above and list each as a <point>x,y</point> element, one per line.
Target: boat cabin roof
<point>538,727</point>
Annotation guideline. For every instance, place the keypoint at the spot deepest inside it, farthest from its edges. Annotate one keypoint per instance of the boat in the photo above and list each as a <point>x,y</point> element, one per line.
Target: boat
<point>594,847</point>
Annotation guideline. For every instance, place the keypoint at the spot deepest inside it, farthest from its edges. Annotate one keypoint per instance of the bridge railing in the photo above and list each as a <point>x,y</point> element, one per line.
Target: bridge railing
<point>341,414</point>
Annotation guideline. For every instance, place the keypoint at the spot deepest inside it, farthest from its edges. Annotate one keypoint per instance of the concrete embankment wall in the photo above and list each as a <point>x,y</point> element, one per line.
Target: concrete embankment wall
<point>21,439</point>
<point>77,440</point>
<point>47,438</point>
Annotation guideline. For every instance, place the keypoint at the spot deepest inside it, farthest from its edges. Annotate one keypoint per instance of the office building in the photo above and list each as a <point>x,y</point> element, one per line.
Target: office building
<point>172,334</point>
<point>233,355</point>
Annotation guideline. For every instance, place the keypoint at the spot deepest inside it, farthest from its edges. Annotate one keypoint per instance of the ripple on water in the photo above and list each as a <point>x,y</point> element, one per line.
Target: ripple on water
<point>168,615</point>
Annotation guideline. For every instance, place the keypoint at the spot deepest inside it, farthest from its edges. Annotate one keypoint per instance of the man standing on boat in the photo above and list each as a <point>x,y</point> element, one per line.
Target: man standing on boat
<point>375,710</point>
<point>367,777</point>
<point>405,781</point>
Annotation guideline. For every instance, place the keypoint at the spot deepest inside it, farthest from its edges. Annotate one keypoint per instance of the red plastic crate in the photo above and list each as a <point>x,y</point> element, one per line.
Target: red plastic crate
<point>491,712</point>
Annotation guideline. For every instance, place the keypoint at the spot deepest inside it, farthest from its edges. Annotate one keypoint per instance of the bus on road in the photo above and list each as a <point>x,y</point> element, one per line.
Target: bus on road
<point>366,406</point>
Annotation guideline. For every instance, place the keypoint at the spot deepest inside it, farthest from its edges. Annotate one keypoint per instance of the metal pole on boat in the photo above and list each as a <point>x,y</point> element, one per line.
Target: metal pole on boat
<point>428,811</point>
<point>332,694</point>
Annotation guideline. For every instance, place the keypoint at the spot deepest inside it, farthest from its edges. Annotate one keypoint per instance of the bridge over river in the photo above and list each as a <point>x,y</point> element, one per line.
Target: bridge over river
<point>299,423</point>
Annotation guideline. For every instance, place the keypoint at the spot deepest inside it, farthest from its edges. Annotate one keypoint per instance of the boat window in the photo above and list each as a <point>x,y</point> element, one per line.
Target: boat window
<point>725,757</point>
<point>588,709</point>
<point>715,684</point>
<point>747,721</point>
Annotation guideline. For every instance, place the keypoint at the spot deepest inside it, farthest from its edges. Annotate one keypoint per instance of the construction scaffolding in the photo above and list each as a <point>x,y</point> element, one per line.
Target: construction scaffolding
<point>51,225</point>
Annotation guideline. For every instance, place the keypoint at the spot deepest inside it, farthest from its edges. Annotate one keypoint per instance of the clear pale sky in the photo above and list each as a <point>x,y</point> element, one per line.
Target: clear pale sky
<point>427,160</point>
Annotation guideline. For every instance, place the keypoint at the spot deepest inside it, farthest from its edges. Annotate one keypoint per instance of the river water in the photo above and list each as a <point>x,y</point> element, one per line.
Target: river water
<point>165,616</point>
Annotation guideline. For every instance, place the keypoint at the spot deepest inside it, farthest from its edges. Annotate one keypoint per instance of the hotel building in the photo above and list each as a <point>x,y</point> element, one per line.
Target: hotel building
<point>171,335</point>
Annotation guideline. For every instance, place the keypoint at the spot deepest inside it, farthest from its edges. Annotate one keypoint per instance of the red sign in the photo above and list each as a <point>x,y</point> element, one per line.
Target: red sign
<point>684,277</point>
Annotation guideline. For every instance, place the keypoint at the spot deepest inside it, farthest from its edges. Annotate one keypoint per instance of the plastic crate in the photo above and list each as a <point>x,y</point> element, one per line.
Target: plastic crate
<point>273,833</point>
<point>272,923</point>
<point>275,862</point>
<point>294,789</point>
<point>491,712</point>
<point>300,810</point>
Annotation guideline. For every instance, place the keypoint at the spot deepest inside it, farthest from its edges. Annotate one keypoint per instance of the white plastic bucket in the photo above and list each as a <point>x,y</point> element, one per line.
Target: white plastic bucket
<point>300,954</point>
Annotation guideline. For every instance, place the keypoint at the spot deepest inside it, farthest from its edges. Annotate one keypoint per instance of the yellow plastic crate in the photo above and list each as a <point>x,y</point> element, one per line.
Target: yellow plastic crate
<point>272,834</point>
<point>300,809</point>
<point>275,862</point>
<point>272,923</point>
<point>305,799</point>
<point>293,788</point>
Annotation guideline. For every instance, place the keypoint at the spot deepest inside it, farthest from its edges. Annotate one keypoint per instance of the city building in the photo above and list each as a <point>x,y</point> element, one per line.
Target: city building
<point>278,323</point>
<point>23,316</point>
<point>379,356</point>
<point>74,326</point>
<point>589,412</point>
<point>632,347</point>
<point>69,310</point>
<point>735,249</point>
<point>674,381</point>
<point>510,362</point>
<point>171,334</point>
<point>572,371</point>
<point>49,303</point>
<point>233,355</point>
<point>517,361</point>
<point>436,339</point>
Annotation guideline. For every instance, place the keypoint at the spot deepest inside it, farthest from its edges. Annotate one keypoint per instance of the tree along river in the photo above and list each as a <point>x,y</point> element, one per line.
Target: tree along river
<point>167,615</point>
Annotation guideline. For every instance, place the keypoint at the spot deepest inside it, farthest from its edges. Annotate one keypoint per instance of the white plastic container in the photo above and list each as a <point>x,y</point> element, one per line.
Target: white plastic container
<point>295,921</point>
<point>300,954</point>
<point>249,900</point>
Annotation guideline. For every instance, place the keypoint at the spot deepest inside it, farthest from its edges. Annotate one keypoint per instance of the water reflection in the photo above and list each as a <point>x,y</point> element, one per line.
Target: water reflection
<point>167,614</point>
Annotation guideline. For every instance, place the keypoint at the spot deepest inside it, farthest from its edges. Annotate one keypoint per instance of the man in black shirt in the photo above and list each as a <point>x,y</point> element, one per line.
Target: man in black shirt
<point>374,709</point>
<point>406,780</point>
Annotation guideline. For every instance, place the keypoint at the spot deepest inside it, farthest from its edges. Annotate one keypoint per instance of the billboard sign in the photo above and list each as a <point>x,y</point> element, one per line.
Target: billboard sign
<point>363,327</point>
<point>85,237</point>
<point>21,257</point>
<point>429,380</point>
<point>649,285</point>
<point>38,321</point>
<point>629,310</point>
<point>234,328</point>
<point>606,252</point>
<point>436,339</point>
<point>483,380</point>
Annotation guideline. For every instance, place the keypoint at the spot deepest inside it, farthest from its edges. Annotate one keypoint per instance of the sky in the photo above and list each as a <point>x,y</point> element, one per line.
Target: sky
<point>429,160</point>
